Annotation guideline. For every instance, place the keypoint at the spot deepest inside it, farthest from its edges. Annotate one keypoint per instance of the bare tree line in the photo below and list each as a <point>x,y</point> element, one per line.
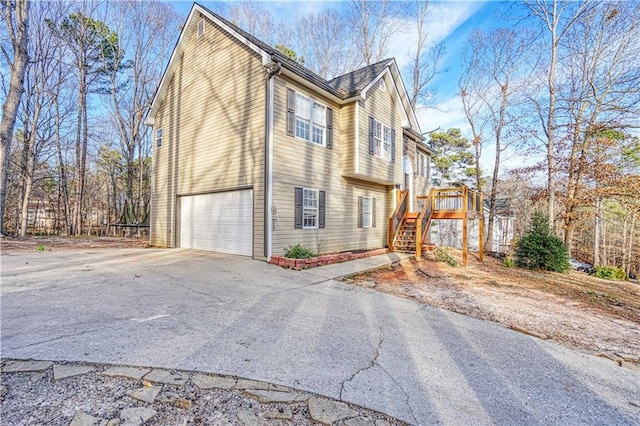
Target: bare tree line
<point>568,87</point>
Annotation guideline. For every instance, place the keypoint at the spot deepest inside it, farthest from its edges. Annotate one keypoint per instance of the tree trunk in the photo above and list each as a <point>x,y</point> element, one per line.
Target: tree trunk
<point>19,40</point>
<point>81,148</point>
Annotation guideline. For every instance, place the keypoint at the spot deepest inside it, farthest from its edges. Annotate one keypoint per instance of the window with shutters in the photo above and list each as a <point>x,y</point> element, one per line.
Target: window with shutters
<point>309,208</point>
<point>309,120</point>
<point>366,212</point>
<point>382,140</point>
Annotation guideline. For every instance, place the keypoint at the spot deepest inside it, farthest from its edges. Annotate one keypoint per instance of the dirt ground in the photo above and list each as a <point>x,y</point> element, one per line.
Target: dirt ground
<point>574,309</point>
<point>9,245</point>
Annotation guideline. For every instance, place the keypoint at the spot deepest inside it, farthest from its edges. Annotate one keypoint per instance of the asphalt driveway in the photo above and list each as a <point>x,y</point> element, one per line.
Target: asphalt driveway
<point>231,315</point>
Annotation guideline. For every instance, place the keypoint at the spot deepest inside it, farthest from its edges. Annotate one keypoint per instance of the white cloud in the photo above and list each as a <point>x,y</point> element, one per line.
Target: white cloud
<point>442,21</point>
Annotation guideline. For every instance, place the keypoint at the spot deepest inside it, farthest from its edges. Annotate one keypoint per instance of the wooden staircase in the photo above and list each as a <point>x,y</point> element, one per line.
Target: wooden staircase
<point>406,239</point>
<point>408,231</point>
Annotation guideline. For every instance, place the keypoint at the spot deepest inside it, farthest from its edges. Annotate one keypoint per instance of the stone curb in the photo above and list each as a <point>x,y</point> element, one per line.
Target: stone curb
<point>167,389</point>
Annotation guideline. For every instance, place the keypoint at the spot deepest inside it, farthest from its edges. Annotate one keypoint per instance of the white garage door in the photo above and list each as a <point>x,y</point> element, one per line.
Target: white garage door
<point>218,222</point>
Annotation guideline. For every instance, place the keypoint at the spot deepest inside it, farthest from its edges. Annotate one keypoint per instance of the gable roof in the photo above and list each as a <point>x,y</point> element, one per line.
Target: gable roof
<point>353,83</point>
<point>342,89</point>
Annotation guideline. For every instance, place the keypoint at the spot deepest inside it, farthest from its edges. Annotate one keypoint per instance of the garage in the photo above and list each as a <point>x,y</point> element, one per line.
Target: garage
<point>221,221</point>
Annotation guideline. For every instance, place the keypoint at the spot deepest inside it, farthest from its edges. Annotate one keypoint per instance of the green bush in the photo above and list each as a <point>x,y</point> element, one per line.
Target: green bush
<point>540,249</point>
<point>609,273</point>
<point>508,262</point>
<point>296,251</point>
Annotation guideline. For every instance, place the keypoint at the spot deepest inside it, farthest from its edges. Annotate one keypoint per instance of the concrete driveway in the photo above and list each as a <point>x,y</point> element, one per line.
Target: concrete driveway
<point>231,315</point>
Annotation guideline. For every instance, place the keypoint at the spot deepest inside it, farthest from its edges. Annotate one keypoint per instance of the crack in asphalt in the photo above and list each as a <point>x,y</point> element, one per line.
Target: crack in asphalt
<point>374,363</point>
<point>365,368</point>
<point>406,395</point>
<point>193,290</point>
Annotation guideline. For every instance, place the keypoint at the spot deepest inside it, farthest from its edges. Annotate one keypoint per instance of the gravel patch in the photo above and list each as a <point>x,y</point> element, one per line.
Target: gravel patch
<point>37,398</point>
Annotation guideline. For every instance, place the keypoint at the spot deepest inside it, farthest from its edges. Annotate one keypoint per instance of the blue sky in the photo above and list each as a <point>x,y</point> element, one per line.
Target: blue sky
<point>450,21</point>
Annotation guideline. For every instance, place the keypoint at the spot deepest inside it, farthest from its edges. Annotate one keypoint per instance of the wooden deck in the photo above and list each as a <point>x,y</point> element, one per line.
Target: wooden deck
<point>408,231</point>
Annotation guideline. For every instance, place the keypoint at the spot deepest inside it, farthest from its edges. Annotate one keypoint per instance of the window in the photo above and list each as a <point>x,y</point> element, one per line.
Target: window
<point>366,212</point>
<point>200,27</point>
<point>382,140</point>
<point>310,119</point>
<point>309,208</point>
<point>159,138</point>
<point>423,165</point>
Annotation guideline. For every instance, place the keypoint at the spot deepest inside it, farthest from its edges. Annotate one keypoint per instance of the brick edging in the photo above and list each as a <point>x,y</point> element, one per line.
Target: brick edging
<point>325,259</point>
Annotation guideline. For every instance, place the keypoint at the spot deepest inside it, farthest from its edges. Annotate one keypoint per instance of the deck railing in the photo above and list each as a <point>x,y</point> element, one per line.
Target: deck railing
<point>456,200</point>
<point>396,219</point>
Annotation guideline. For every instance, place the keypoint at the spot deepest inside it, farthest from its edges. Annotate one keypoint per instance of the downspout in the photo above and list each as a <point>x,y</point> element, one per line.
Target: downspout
<point>274,69</point>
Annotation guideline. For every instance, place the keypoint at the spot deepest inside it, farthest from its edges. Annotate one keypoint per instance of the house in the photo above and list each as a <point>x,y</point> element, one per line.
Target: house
<point>253,153</point>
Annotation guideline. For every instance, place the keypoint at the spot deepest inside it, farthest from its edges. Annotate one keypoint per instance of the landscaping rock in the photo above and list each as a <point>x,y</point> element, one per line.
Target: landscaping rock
<point>251,384</point>
<point>62,371</point>
<point>327,412</point>
<point>249,418</point>
<point>136,416</point>
<point>166,377</point>
<point>360,421</point>
<point>281,414</point>
<point>204,381</point>
<point>145,394</point>
<point>84,419</point>
<point>128,372</point>
<point>266,396</point>
<point>24,366</point>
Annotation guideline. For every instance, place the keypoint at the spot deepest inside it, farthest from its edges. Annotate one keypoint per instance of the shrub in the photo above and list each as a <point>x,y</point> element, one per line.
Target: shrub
<point>40,248</point>
<point>296,251</point>
<point>508,262</point>
<point>540,249</point>
<point>609,273</point>
<point>443,256</point>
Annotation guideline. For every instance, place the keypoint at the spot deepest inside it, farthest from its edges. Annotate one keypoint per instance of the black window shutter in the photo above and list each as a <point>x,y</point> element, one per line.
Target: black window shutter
<point>359,212</point>
<point>329,128</point>
<point>372,142</point>
<point>291,112</point>
<point>321,209</point>
<point>298,204</point>
<point>393,145</point>
<point>373,212</point>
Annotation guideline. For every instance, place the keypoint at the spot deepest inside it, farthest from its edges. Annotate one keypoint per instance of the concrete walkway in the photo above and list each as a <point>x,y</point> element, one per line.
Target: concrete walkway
<point>229,315</point>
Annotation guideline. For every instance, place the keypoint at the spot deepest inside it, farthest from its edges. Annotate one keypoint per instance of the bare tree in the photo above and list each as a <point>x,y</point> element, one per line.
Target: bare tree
<point>254,19</point>
<point>16,17</point>
<point>146,30</point>
<point>492,89</point>
<point>374,23</point>
<point>600,94</point>
<point>557,17</point>
<point>325,43</point>
<point>425,64</point>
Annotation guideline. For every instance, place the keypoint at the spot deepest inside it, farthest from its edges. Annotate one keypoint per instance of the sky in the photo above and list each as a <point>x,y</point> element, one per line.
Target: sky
<point>450,22</point>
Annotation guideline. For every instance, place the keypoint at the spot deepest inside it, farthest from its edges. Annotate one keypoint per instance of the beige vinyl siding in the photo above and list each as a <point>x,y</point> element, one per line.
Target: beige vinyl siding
<point>348,139</point>
<point>298,163</point>
<point>422,184</point>
<point>381,106</point>
<point>213,118</point>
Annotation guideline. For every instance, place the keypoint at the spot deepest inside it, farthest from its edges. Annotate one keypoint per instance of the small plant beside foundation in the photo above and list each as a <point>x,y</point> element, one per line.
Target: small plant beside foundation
<point>296,251</point>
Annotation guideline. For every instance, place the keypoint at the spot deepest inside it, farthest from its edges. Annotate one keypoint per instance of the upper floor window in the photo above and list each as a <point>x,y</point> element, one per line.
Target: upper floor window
<point>310,119</point>
<point>382,140</point>
<point>159,138</point>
